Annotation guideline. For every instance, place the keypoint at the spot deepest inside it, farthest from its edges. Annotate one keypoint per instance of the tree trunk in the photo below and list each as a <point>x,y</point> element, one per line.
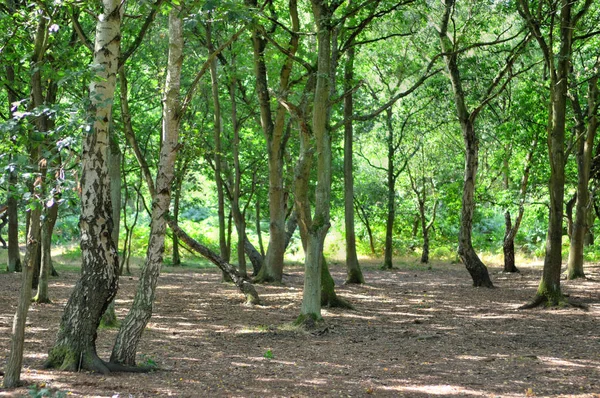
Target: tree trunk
<point>12,373</point>
<point>276,137</point>
<point>223,246</point>
<point>14,255</point>
<point>125,347</point>
<point>391,195</point>
<point>245,287</point>
<point>549,290</point>
<point>362,215</point>
<point>508,246</point>
<point>46,260</point>
<point>474,265</point>
<point>584,159</point>
<point>75,346</point>
<point>354,273</point>
<point>258,229</point>
<point>320,222</point>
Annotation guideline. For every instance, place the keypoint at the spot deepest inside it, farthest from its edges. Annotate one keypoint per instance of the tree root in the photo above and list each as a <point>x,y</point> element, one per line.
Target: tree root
<point>565,301</point>
<point>337,302</point>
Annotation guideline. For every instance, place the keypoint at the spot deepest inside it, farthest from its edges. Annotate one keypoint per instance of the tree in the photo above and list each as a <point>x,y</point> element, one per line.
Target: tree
<point>448,36</point>
<point>75,348</point>
<point>543,21</point>
<point>125,347</point>
<point>586,127</point>
<point>276,136</point>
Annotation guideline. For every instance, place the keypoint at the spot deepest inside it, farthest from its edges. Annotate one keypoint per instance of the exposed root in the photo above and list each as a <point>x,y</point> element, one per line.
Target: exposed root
<point>117,367</point>
<point>337,302</point>
<point>537,301</point>
<point>540,300</point>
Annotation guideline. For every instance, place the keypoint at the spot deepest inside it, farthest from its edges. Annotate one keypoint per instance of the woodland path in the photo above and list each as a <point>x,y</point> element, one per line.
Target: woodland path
<point>415,333</point>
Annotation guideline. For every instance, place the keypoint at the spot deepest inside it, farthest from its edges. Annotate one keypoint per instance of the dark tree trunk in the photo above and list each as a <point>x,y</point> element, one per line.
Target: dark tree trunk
<point>353,271</point>
<point>508,246</point>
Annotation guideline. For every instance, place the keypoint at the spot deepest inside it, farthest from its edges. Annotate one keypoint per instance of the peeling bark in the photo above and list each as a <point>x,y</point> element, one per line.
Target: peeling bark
<point>75,346</point>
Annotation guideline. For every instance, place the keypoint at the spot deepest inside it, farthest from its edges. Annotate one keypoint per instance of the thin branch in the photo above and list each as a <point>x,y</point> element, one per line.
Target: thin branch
<point>140,37</point>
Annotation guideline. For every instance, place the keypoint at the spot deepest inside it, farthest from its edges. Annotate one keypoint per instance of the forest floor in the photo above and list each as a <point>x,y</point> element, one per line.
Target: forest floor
<point>415,332</point>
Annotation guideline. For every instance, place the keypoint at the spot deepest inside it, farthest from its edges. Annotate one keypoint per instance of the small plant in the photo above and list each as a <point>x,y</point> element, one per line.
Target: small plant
<point>268,354</point>
<point>148,362</point>
<point>40,390</point>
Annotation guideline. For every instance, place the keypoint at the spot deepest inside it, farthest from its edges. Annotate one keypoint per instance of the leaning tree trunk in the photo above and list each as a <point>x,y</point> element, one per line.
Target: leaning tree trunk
<point>125,347</point>
<point>584,159</point>
<point>75,346</point>
<point>12,373</point>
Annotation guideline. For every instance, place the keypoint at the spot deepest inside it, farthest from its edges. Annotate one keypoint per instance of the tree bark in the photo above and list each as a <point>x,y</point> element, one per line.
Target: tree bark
<point>125,347</point>
<point>391,195</point>
<point>318,226</point>
<point>14,364</point>
<point>223,246</point>
<point>469,257</point>
<point>584,159</point>
<point>75,346</point>
<point>245,287</point>
<point>549,290</point>
<point>276,137</point>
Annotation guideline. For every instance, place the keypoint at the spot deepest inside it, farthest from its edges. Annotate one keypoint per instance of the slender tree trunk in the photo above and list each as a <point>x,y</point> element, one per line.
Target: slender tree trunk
<point>354,273</point>
<point>14,255</point>
<point>508,246</point>
<point>261,246</point>
<point>46,261</point>
<point>584,159</point>
<point>223,246</point>
<point>391,195</point>
<point>469,257</point>
<point>12,374</point>
<point>125,347</point>
<point>75,346</point>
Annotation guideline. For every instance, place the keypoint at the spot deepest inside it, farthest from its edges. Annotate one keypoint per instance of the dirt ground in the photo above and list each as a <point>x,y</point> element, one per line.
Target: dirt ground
<point>415,333</point>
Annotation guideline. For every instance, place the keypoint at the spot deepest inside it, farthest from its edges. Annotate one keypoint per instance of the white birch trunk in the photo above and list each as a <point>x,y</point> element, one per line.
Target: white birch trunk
<point>125,347</point>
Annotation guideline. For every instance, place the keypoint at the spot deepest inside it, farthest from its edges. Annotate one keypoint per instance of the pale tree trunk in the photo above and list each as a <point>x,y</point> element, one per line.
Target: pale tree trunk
<point>12,373</point>
<point>469,257</point>
<point>354,273</point>
<point>15,360</point>
<point>511,231</point>
<point>125,347</point>
<point>276,137</point>
<point>584,159</point>
<point>549,290</point>
<point>75,346</point>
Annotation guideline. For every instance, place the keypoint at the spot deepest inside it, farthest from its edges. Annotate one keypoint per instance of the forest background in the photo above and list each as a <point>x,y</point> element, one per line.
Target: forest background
<point>448,130</point>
